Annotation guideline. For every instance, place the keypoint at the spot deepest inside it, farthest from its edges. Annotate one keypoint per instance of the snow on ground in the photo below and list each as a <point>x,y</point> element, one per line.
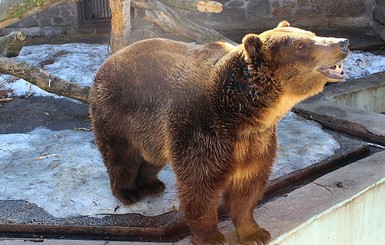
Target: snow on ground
<point>301,144</point>
<point>62,172</point>
<point>74,62</point>
<point>360,64</point>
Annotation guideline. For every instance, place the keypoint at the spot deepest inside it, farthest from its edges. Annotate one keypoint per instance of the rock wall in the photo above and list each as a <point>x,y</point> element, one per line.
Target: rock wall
<point>61,19</point>
<point>263,14</point>
<point>378,22</point>
<point>237,15</point>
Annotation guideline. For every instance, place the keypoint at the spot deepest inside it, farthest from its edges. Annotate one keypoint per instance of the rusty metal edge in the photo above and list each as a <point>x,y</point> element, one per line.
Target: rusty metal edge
<point>96,232</point>
<point>316,170</point>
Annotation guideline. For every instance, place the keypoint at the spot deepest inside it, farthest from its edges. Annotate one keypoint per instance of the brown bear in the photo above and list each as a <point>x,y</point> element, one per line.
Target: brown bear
<point>211,112</point>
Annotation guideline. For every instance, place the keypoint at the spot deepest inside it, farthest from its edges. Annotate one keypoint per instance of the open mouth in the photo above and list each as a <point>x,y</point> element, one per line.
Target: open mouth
<point>334,72</point>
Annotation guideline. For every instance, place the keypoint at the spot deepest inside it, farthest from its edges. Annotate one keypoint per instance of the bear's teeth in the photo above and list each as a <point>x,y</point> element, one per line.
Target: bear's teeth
<point>339,68</point>
<point>335,72</point>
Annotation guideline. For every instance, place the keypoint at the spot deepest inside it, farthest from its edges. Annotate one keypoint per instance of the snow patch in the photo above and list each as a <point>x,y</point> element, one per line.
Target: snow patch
<point>360,64</point>
<point>62,171</point>
<point>21,88</point>
<point>301,144</point>
<point>73,62</point>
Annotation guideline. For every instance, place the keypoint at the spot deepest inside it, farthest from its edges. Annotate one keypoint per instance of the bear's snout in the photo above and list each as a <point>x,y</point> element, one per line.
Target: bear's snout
<point>344,45</point>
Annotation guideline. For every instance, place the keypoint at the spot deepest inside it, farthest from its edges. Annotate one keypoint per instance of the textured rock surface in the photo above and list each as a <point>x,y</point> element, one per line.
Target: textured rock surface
<point>378,22</point>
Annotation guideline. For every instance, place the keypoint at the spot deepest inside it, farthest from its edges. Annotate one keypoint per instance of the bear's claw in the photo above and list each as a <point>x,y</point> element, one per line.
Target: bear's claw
<point>128,196</point>
<point>257,236</point>
<point>216,239</point>
<point>154,188</point>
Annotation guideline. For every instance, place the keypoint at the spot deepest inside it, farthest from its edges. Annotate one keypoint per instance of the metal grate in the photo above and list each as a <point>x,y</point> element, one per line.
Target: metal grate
<point>94,11</point>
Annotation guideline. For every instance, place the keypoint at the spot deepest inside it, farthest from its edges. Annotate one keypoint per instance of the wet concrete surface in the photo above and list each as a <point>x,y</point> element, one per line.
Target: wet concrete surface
<point>25,114</point>
<point>19,218</point>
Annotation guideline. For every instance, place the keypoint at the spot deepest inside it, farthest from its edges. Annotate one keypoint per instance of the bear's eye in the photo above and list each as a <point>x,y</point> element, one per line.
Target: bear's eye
<point>301,46</point>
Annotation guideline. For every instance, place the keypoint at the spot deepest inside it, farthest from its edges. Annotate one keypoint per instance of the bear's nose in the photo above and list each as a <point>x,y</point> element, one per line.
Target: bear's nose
<point>344,45</point>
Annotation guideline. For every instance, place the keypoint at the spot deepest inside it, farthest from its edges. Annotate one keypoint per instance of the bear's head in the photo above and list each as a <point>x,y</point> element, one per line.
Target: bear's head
<point>298,60</point>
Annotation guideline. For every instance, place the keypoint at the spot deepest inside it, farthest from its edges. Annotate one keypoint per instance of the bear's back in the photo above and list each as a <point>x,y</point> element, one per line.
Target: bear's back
<point>136,89</point>
<point>155,73</point>
<point>162,64</point>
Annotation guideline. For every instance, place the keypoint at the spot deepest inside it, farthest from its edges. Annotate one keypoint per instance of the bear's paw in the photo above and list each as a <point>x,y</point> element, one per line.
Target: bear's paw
<point>127,196</point>
<point>254,235</point>
<point>216,239</point>
<point>156,187</point>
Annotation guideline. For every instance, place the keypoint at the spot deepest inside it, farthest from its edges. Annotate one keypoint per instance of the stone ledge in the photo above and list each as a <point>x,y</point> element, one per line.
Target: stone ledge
<point>359,123</point>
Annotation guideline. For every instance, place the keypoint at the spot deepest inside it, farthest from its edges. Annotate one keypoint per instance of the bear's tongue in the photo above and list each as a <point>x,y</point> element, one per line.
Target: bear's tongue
<point>335,72</point>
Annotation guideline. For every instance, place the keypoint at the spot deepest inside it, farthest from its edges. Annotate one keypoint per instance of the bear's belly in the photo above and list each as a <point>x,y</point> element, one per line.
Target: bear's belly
<point>148,133</point>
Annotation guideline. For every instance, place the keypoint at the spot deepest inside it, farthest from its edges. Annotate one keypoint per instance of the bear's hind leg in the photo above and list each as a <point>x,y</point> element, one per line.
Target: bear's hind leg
<point>122,162</point>
<point>241,200</point>
<point>123,174</point>
<point>147,180</point>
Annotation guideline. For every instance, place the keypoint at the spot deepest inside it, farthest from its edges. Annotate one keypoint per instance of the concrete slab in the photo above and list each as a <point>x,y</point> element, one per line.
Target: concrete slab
<point>23,115</point>
<point>49,242</point>
<point>285,214</point>
<point>329,112</point>
<point>344,207</point>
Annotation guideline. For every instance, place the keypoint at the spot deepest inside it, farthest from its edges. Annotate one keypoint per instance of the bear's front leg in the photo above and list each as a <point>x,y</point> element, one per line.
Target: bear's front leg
<point>199,204</point>
<point>240,200</point>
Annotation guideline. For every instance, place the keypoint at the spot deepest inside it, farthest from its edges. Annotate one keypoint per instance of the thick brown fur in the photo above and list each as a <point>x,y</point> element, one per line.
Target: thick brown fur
<point>211,112</point>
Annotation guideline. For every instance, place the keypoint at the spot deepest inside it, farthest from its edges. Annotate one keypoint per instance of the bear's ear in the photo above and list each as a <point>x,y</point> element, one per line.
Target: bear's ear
<point>252,44</point>
<point>283,23</point>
